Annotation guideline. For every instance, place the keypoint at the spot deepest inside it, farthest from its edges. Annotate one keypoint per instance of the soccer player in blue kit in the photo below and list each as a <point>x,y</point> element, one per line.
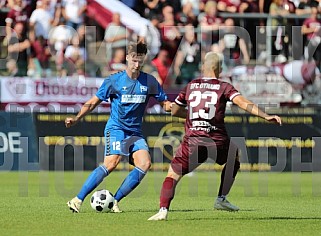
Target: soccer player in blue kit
<point>128,92</point>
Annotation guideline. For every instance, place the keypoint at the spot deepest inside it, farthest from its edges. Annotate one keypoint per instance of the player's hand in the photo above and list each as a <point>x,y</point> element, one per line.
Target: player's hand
<point>70,121</point>
<point>274,119</point>
<point>167,106</point>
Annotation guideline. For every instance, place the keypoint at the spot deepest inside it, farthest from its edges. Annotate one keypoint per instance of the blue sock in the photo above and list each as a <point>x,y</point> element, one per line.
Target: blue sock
<point>130,183</point>
<point>93,180</point>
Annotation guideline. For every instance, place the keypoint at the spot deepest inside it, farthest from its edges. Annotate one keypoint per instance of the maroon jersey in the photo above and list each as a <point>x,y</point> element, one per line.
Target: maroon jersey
<point>16,15</point>
<point>206,100</point>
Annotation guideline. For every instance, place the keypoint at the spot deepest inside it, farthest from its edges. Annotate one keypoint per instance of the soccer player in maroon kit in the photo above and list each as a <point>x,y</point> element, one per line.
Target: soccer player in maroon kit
<point>205,133</point>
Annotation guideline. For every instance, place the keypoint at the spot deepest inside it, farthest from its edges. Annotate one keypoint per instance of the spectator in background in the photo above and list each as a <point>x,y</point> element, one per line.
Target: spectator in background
<point>195,5</point>
<point>81,31</point>
<point>59,38</point>
<point>231,6</point>
<point>115,36</point>
<point>75,57</point>
<point>27,5</point>
<point>3,4</point>
<point>278,23</point>
<point>18,49</point>
<point>152,37</point>
<point>188,57</point>
<point>55,8</point>
<point>152,8</point>
<point>155,7</point>
<point>289,6</point>
<point>41,22</point>
<point>118,62</point>
<point>232,47</point>
<point>251,6</point>
<point>264,7</point>
<point>17,14</point>
<point>170,35</point>
<point>202,4</point>
<point>210,24</point>
<point>12,69</point>
<point>73,12</point>
<point>187,16</point>
<point>162,64</point>
<point>311,28</point>
<point>304,8</point>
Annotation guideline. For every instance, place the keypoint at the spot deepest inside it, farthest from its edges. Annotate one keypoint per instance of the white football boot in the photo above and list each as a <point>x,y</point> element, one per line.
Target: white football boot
<point>161,215</point>
<point>224,205</point>
<point>74,204</point>
<point>115,207</point>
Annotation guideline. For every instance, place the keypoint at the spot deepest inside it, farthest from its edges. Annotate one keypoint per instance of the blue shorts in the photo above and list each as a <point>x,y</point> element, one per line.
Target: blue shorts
<point>120,142</point>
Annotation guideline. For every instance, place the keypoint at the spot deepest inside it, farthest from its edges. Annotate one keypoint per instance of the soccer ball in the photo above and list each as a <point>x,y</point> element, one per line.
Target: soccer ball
<point>102,200</point>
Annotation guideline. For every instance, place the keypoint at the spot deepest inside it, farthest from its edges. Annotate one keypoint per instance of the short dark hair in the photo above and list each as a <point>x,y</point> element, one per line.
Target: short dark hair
<point>137,48</point>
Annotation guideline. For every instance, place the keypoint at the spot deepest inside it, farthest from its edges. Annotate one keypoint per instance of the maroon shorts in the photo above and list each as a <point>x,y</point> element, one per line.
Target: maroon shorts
<point>194,151</point>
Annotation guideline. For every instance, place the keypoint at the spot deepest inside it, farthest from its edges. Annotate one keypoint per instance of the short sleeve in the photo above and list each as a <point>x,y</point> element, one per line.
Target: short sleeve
<point>230,92</point>
<point>105,89</point>
<point>181,98</point>
<point>155,89</point>
<point>33,17</point>
<point>160,95</point>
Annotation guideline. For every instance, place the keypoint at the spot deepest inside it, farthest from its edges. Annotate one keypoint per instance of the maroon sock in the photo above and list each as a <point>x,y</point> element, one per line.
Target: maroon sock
<point>167,192</point>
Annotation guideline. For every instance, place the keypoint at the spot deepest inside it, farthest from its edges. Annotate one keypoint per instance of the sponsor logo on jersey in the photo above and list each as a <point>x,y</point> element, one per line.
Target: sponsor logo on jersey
<point>205,86</point>
<point>143,89</point>
<point>201,123</point>
<point>128,98</point>
<point>124,88</point>
<point>202,126</point>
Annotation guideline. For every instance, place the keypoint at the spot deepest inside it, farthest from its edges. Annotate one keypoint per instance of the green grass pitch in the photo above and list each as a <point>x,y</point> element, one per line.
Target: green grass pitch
<point>34,203</point>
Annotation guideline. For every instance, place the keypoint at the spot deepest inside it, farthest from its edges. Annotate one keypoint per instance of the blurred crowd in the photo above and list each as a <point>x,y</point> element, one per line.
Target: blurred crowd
<point>39,34</point>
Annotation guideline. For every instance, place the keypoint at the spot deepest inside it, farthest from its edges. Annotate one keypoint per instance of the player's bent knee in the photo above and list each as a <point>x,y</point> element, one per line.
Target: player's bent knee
<point>145,166</point>
<point>172,174</point>
<point>175,176</point>
<point>110,165</point>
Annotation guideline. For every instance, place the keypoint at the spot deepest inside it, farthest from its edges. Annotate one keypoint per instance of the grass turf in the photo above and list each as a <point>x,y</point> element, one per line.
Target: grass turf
<point>34,203</point>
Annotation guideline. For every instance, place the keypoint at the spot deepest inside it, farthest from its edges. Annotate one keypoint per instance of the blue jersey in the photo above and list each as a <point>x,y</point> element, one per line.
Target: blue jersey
<point>128,98</point>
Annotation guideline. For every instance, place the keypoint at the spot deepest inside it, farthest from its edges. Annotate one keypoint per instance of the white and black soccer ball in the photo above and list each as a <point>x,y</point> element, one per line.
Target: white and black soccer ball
<point>102,201</point>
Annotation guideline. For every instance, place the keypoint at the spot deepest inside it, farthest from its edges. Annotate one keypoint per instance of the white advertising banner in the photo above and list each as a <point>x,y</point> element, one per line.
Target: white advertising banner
<point>48,90</point>
<point>47,94</point>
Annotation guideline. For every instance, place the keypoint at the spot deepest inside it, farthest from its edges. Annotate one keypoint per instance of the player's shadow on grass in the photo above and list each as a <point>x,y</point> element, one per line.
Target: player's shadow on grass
<point>155,210</point>
<point>182,210</point>
<point>289,218</point>
<point>253,218</point>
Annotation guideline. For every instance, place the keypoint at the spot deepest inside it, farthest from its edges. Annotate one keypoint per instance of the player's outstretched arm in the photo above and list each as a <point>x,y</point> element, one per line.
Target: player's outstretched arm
<point>250,107</point>
<point>85,109</point>
<point>179,111</point>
